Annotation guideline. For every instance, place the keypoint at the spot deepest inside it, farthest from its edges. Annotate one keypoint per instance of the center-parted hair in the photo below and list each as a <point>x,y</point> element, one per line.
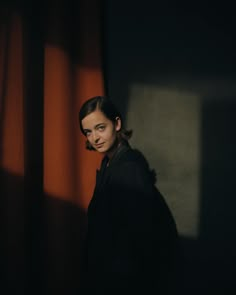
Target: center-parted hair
<point>105,105</point>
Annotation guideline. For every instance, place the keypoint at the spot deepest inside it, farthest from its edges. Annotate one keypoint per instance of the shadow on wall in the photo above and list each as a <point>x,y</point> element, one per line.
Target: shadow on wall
<point>187,48</point>
<point>171,44</point>
<point>209,261</point>
<point>41,248</point>
<point>65,238</point>
<point>218,203</point>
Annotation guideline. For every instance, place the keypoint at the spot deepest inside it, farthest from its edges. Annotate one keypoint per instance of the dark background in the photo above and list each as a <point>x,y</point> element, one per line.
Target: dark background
<point>187,49</point>
<point>171,68</point>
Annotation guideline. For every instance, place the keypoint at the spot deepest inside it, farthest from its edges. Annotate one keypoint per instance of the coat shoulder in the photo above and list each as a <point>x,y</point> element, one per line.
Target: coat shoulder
<point>133,164</point>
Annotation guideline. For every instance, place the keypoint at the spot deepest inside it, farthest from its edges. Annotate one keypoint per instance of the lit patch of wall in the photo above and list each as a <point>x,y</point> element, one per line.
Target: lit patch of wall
<point>166,124</point>
<point>58,173</point>
<point>69,170</point>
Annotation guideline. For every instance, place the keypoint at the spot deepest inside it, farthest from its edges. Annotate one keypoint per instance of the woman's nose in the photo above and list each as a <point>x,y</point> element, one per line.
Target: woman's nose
<point>95,136</point>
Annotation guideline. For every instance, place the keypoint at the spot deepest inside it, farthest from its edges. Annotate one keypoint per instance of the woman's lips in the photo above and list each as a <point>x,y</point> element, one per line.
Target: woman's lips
<point>99,145</point>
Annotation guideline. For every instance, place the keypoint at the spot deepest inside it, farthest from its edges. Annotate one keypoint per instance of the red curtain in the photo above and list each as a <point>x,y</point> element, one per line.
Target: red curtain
<point>50,63</point>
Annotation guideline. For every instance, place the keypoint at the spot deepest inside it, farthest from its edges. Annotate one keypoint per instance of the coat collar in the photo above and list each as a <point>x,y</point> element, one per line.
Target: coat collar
<point>120,151</point>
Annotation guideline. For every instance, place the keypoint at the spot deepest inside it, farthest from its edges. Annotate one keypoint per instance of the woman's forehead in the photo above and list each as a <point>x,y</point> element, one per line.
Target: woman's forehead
<point>93,119</point>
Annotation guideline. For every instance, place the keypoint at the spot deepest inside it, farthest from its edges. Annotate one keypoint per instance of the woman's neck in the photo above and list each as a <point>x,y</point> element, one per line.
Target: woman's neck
<point>112,151</point>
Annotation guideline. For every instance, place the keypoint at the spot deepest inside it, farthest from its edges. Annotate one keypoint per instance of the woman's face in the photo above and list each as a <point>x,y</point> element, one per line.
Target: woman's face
<point>100,131</point>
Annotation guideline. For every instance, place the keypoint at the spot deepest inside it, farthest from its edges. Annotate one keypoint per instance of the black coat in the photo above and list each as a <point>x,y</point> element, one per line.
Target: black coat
<point>131,232</point>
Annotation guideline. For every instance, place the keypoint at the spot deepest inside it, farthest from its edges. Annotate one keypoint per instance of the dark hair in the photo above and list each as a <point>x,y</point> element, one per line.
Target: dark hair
<point>105,105</point>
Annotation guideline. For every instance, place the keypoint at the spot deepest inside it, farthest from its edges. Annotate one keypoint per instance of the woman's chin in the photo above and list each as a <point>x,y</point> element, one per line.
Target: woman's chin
<point>101,149</point>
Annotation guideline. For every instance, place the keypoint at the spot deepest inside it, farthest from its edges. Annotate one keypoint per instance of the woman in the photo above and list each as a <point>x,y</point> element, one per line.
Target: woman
<point>132,236</point>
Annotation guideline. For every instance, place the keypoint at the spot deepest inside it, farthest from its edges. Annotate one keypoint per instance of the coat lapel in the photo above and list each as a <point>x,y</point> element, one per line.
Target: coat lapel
<point>100,174</point>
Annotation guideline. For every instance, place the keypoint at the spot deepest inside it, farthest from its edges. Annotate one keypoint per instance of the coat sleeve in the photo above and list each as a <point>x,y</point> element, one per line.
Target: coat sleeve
<point>143,228</point>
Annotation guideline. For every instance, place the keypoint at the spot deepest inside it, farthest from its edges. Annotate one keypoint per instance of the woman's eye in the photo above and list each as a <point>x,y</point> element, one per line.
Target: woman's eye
<point>101,128</point>
<point>87,133</point>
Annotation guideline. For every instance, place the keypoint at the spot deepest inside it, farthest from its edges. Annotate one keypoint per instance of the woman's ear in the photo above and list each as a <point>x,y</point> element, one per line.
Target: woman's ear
<point>118,124</point>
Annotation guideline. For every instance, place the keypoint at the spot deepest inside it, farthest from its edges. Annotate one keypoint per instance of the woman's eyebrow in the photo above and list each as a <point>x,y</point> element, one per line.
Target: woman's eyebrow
<point>96,126</point>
